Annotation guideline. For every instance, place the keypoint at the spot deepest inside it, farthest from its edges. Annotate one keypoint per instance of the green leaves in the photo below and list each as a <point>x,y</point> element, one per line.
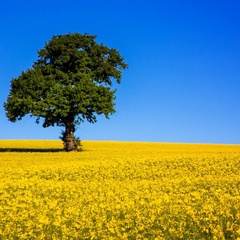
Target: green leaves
<point>70,82</point>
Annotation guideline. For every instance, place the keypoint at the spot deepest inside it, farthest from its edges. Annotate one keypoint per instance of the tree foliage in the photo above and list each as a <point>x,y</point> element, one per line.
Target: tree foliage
<point>71,81</point>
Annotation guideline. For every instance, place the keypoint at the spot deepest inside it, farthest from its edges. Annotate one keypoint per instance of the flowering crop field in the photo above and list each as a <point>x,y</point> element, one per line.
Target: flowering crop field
<point>119,190</point>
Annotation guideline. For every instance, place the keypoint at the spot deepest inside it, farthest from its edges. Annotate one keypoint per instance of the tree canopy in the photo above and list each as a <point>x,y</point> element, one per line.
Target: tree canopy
<point>71,81</point>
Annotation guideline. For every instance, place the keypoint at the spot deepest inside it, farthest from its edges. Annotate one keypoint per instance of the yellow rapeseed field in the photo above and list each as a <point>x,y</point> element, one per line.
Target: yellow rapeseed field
<point>119,190</point>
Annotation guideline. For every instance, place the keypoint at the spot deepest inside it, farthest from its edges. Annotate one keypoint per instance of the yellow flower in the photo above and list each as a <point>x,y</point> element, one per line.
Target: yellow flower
<point>119,190</point>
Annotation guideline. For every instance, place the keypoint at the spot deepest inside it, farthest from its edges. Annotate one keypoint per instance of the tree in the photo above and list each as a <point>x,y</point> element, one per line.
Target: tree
<point>71,81</point>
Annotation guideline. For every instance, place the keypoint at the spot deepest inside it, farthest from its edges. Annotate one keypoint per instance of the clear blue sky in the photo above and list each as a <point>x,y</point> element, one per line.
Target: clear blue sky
<point>183,81</point>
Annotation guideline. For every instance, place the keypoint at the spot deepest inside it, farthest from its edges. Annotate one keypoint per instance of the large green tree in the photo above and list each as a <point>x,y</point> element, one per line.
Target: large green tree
<point>71,81</point>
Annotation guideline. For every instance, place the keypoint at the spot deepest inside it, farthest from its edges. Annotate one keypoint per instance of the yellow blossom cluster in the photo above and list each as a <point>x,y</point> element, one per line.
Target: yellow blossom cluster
<point>119,190</point>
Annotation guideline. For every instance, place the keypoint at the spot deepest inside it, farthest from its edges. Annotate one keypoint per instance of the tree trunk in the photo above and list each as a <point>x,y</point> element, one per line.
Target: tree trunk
<point>69,138</point>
